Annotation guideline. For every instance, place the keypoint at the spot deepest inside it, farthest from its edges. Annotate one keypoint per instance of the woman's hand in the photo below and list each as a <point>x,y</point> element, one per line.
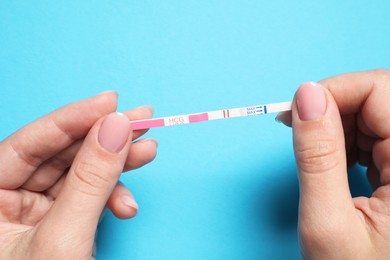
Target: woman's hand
<point>58,174</point>
<point>343,117</point>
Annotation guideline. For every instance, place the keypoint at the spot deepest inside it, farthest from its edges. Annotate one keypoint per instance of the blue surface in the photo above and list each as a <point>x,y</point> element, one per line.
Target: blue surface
<point>218,190</point>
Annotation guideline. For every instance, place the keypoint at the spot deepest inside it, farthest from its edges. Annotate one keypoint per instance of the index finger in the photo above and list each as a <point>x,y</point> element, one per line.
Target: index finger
<point>366,93</point>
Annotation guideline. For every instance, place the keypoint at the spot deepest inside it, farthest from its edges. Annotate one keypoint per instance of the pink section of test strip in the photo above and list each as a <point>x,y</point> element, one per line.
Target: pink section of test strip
<point>148,123</point>
<point>198,117</point>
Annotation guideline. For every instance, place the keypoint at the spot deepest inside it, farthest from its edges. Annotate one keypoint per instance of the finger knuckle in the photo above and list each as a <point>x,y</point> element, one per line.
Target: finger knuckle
<point>91,178</point>
<point>318,156</point>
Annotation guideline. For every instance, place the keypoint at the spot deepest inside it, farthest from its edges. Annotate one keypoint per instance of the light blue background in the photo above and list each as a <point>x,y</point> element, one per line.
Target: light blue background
<point>217,190</point>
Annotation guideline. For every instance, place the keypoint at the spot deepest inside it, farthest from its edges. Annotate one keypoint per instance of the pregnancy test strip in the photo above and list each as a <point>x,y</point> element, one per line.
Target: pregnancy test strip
<point>211,115</point>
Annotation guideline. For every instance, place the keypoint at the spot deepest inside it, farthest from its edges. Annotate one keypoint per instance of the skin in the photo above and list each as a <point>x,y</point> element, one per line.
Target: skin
<point>355,128</point>
<point>56,179</point>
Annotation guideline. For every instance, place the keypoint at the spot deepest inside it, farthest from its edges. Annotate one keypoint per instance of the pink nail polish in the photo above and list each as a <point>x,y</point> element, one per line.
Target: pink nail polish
<point>311,101</point>
<point>114,132</point>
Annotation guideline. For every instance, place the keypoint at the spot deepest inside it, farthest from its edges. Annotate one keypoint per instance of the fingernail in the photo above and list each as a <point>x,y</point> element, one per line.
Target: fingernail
<point>107,91</point>
<point>114,132</point>
<point>311,101</point>
<point>149,141</point>
<point>129,201</point>
<point>146,107</point>
<point>277,119</point>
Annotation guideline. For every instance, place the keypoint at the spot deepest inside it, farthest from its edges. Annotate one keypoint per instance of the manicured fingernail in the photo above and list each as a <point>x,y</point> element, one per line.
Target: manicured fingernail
<point>129,201</point>
<point>311,101</point>
<point>114,132</point>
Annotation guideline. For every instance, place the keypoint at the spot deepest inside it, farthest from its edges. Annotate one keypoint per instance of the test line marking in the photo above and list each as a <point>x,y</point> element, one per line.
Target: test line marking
<point>211,115</point>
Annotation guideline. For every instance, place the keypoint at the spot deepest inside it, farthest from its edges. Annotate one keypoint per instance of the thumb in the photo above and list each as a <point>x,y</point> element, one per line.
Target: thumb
<point>319,148</point>
<point>91,179</point>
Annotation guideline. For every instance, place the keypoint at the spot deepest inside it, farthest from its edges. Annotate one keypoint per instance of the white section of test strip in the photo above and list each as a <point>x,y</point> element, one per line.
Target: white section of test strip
<point>250,111</point>
<point>279,107</point>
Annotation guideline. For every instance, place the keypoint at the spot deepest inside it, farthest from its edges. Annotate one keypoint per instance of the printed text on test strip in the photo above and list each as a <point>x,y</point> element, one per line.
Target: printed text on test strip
<point>212,115</point>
